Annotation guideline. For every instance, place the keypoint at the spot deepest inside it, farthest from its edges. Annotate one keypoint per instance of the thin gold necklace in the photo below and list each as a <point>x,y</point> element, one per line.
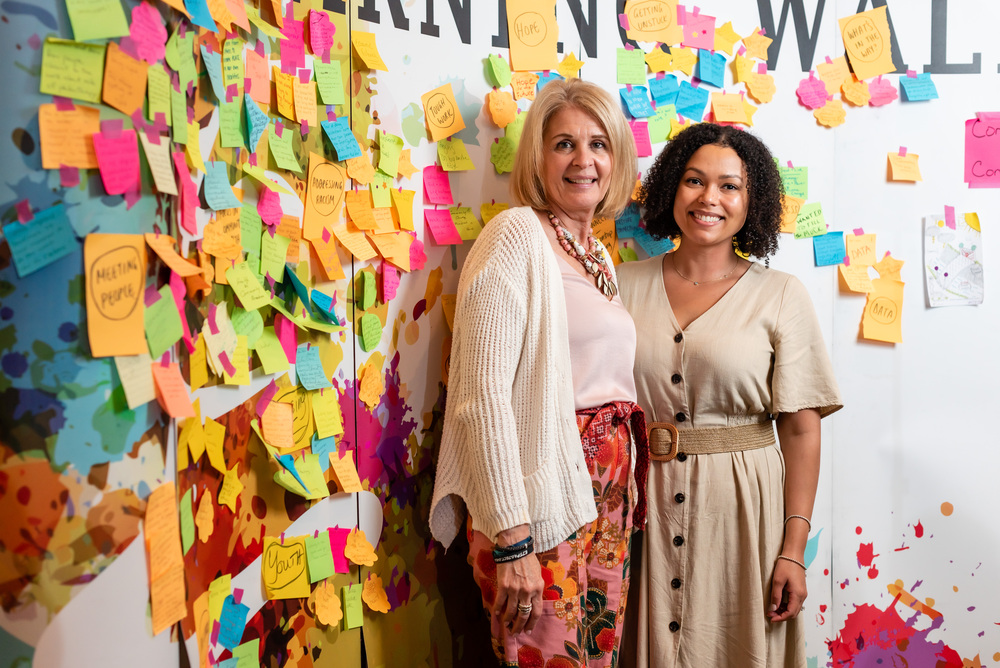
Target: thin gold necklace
<point>673,263</point>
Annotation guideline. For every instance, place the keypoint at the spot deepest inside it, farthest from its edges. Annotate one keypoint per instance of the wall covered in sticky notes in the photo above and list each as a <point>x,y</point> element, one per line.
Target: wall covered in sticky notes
<point>232,235</point>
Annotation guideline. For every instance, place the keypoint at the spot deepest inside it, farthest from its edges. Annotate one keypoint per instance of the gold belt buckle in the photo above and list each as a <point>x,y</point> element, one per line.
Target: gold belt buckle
<point>664,442</point>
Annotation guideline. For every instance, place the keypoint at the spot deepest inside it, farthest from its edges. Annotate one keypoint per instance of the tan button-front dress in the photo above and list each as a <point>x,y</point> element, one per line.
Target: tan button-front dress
<point>716,521</point>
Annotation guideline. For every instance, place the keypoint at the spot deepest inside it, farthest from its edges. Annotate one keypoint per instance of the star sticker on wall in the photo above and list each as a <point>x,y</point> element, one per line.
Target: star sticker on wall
<point>742,68</point>
<point>659,60</point>
<point>684,60</point>
<point>570,66</point>
<point>757,44</point>
<point>749,110</point>
<point>726,37</point>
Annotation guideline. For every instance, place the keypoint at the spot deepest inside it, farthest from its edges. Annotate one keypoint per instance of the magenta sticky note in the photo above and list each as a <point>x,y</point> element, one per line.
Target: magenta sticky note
<point>437,188</point>
<point>442,227</point>
<point>949,216</point>
<point>390,282</point>
<point>640,132</point>
<point>338,541</point>
<point>285,330</point>
<point>699,31</point>
<point>269,206</point>
<point>118,160</point>
<point>982,151</point>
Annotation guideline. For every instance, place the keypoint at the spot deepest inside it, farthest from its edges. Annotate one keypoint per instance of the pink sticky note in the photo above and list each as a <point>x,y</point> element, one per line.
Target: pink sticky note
<point>293,48</point>
<point>812,92</point>
<point>188,194</point>
<point>982,151</point>
<point>437,188</point>
<point>338,542</point>
<point>265,398</point>
<point>285,330</point>
<point>24,214</point>
<point>699,31</point>
<point>390,282</point>
<point>882,92</point>
<point>69,177</point>
<point>179,291</point>
<point>442,227</point>
<point>118,160</point>
<point>640,132</point>
<point>148,33</point>
<point>269,206</point>
<point>418,258</point>
<point>949,216</point>
<point>321,31</point>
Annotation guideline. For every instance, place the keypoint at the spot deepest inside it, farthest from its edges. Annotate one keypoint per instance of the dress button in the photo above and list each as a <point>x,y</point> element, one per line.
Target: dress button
<point>678,337</point>
<point>674,627</point>
<point>680,417</point>
<point>681,457</point>
<point>679,496</point>
<point>676,378</point>
<point>676,583</point>
<point>678,540</point>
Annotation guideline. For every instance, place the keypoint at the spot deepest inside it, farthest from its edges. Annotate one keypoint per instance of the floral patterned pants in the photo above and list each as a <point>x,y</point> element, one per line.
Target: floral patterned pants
<point>586,576</point>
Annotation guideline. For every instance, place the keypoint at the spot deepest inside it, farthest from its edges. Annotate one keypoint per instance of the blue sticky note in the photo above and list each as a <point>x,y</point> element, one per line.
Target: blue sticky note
<point>712,68</point>
<point>232,622</point>
<point>343,140</point>
<point>257,121</point>
<point>323,447</point>
<point>653,246</point>
<point>200,15</point>
<point>664,90</point>
<point>637,101</point>
<point>918,88</point>
<point>325,306</point>
<point>213,63</point>
<point>300,288</point>
<point>546,77</point>
<point>829,249</point>
<point>691,101</point>
<point>627,224</point>
<point>287,461</point>
<point>228,663</point>
<point>309,368</point>
<point>40,242</point>
<point>218,191</point>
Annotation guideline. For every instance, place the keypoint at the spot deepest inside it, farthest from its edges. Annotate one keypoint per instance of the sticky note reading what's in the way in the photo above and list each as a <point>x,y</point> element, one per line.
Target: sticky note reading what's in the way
<point>283,568</point>
<point>867,41</point>
<point>441,112</point>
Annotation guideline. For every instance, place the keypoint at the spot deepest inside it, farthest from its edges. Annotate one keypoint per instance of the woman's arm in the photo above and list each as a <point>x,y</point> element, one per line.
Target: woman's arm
<point>799,437</point>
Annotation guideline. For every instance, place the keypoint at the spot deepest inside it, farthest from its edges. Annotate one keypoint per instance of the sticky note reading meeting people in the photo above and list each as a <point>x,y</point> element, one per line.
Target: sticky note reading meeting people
<point>115,279</point>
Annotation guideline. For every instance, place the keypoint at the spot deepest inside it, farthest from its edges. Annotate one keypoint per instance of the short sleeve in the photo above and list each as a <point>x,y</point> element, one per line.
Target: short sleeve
<point>803,375</point>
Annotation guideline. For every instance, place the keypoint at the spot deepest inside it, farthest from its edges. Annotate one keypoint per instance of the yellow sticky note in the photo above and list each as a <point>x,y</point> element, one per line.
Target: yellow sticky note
<point>861,249</point>
<point>790,207</point>
<point>347,474</point>
<point>882,320</point>
<point>684,59</point>
<point>653,21</point>
<point>72,69</point>
<point>218,590</point>
<point>569,66</point>
<point>441,112</point>
<point>834,74</point>
<point>215,437</point>
<point>308,469</point>
<point>728,108</point>
<point>358,549</point>
<point>277,425</point>
<point>448,306</point>
<point>831,114</point>
<point>488,211</point>
<point>889,267</point>
<point>904,167</point>
<point>326,413</point>
<point>402,202</point>
<point>283,568</point>
<point>329,260</point>
<point>374,594</point>
<point>856,277</point>
<point>406,167</point>
<point>231,488</point>
<point>742,67</point>
<point>364,46</point>
<point>328,609</point>
<point>354,240</point>
<point>533,33</point>
<point>867,41</point>
<point>761,87</point>
<point>361,169</point>
<point>240,362</point>
<point>305,102</point>
<point>205,517</point>
<point>453,155</point>
<point>659,60</point>
<point>284,88</point>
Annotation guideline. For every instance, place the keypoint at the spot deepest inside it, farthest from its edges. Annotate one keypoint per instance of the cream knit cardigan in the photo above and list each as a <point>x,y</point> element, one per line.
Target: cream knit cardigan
<point>510,450</point>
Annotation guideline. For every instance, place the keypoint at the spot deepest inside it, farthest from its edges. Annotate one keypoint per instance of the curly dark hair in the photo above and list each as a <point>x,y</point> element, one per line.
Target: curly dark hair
<point>759,235</point>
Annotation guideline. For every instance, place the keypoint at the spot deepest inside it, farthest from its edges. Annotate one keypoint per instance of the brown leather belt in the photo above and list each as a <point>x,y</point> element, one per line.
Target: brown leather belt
<point>665,441</point>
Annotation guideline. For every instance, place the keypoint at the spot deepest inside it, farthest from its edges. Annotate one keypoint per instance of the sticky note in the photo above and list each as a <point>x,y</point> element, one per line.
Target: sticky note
<point>309,368</point>
<point>465,222</point>
<point>658,125</point>
<point>355,241</point>
<point>72,69</point>
<point>861,249</point>
<point>636,99</point>
<point>373,594</point>
<point>699,31</point>
<point>347,475</point>
<point>361,169</point>
<point>904,167</point>
<point>66,136</point>
<point>232,622</point>
<point>247,655</point>
<point>524,85</point>
<point>810,221</point>
<point>569,66</point>
<point>338,544</point>
<point>231,488</point>
<point>247,286</point>
<point>441,112</point>
<point>283,568</point>
<point>834,74</point>
<point>47,238</point>
<point>691,101</point>
<point>441,227</point>
<point>856,277</point>
<point>326,413</point>
<point>795,180</point>
<point>171,391</point>
<point>728,108</point>
<point>215,438</point>
<point>499,70</point>
<point>329,79</point>
<point>371,331</point>
<point>328,606</point>
<point>918,88</point>
<point>390,146</point>
<point>829,248</point>
<point>305,103</point>
<point>501,106</point>
<point>158,159</point>
<point>712,68</point>
<point>351,596</point>
<point>364,46</point>
<point>882,320</point>
<point>502,152</point>
<point>124,85</point>
<point>437,188</point>
<point>218,191</point>
<point>532,32</point>
<point>341,138</point>
<point>640,134</point>
<point>982,151</point>
<point>326,253</point>
<point>514,129</point>
<point>358,549</point>
<point>453,155</point>
<point>867,40</point>
<point>319,556</point>
<point>302,475</point>
<point>631,67</point>
<point>187,521</point>
<point>136,377</point>
<point>664,90</point>
<point>204,519</point>
<point>96,19</point>
<point>118,159</point>
<point>281,149</point>
<point>402,202</point>
<point>162,323</point>
<point>760,86</point>
<point>790,207</point>
<point>115,276</point>
<point>652,21</point>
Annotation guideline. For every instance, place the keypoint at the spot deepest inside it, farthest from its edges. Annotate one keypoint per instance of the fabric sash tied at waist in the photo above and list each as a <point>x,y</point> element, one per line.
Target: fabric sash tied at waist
<point>666,441</point>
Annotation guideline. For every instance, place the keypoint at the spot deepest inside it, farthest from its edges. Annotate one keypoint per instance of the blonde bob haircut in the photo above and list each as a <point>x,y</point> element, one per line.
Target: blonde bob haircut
<point>526,186</point>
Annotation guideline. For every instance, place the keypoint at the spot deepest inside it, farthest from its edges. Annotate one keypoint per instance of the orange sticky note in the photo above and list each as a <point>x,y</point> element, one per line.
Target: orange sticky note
<point>653,21</point>
<point>324,195</point>
<point>167,599</point>
<point>502,107</point>
<point>328,609</point>
<point>124,80</point>
<point>533,33</point>
<point>283,568</point>
<point>861,249</point>
<point>162,532</point>
<point>790,207</point>
<point>374,595</point>
<point>171,391</point>
<point>904,167</point>
<point>205,517</point>
<point>284,88</point>
<point>163,246</point>
<point>867,42</point>
<point>115,279</point>
<point>326,252</point>
<point>347,475</point>
<point>441,112</point>
<point>856,277</point>
<point>354,240</point>
<point>364,46</point>
<point>277,425</point>
<point>67,136</point>
<point>523,85</point>
<point>728,108</point>
<point>882,320</point>
<point>359,208</point>
<point>359,550</point>
<point>305,102</point>
<point>361,169</point>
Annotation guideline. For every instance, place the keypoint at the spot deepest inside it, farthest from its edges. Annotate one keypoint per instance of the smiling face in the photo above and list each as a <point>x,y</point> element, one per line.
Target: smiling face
<point>711,201</point>
<point>576,163</point>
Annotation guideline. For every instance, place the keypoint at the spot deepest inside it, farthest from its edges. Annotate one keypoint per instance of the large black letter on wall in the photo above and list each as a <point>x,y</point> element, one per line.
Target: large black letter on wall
<point>806,40</point>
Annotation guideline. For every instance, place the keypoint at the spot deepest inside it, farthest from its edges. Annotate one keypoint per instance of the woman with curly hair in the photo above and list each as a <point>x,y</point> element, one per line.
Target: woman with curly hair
<point>726,348</point>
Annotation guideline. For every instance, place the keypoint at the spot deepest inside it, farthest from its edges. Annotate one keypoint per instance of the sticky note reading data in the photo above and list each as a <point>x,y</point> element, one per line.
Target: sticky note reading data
<point>829,249</point>
<point>882,320</point>
<point>319,556</point>
<point>810,221</point>
<point>441,112</point>
<point>66,136</point>
<point>664,90</point>
<point>533,33</point>
<point>283,568</point>
<point>867,41</point>
<point>124,85</point>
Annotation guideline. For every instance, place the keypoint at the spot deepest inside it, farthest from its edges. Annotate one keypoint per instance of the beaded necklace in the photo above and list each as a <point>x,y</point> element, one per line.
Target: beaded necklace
<point>592,262</point>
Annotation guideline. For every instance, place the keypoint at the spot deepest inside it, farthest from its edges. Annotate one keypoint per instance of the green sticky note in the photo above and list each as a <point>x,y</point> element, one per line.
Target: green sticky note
<point>389,147</point>
<point>465,222</point>
<point>247,655</point>
<point>627,254</point>
<point>330,80</point>
<point>659,124</point>
<point>232,64</point>
<point>187,521</point>
<point>514,129</point>
<point>309,470</point>
<point>180,57</point>
<point>178,116</point>
<point>270,353</point>
<point>231,124</point>
<point>248,323</point>
<point>351,599</point>
<point>163,323</point>
<point>453,155</point>
<point>380,189</point>
<point>319,556</point>
<point>795,180</point>
<point>72,69</point>
<point>251,227</point>
<point>247,286</point>
<point>631,67</point>
<point>273,251</point>
<point>810,222</point>
<point>500,71</point>
<point>97,19</point>
<point>367,290</point>
<point>158,92</point>
<point>371,331</point>
<point>281,149</point>
<point>502,155</point>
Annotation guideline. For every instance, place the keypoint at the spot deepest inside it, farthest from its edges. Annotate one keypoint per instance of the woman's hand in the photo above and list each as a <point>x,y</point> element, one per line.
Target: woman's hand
<point>788,591</point>
<point>518,582</point>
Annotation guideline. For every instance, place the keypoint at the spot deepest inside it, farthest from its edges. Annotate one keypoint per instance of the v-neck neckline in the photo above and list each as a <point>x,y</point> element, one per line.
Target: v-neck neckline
<point>670,307</point>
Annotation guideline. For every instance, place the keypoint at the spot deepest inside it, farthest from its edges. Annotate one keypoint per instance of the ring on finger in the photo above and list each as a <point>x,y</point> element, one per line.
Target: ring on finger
<point>524,609</point>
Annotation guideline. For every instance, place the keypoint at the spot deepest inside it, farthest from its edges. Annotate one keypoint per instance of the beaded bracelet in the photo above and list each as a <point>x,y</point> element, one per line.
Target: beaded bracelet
<point>801,517</point>
<point>514,551</point>
<point>794,561</point>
